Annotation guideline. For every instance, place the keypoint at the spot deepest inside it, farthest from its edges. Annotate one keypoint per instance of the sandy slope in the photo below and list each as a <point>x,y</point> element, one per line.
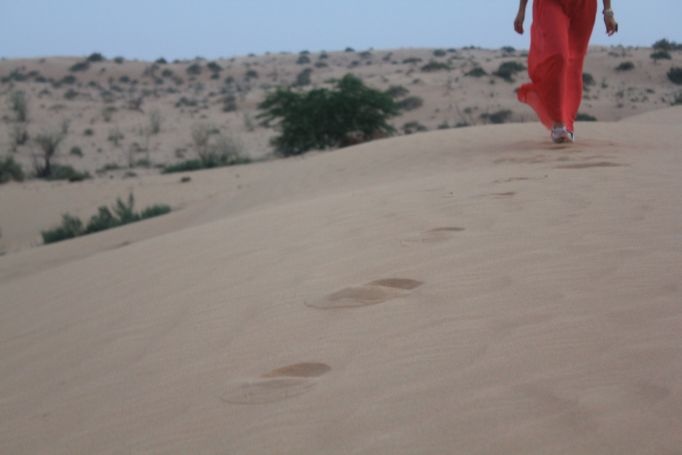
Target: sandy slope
<point>472,291</point>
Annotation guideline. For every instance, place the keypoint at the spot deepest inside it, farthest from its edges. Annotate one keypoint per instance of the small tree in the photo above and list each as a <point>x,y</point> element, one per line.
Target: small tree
<point>18,103</point>
<point>323,118</point>
<point>155,120</point>
<point>49,144</point>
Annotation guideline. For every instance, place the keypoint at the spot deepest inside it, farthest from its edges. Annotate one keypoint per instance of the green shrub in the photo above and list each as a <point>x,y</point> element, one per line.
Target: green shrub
<point>661,55</point>
<point>501,116</point>
<point>64,172</point>
<point>324,118</point>
<point>251,74</point>
<point>76,151</point>
<point>435,66</point>
<point>119,214</point>
<point>10,170</point>
<point>214,67</point>
<point>303,59</point>
<point>665,45</point>
<point>397,91</point>
<point>80,66</point>
<point>71,227</point>
<point>119,60</point>
<point>440,53</point>
<point>18,135</point>
<point>49,143</point>
<point>303,78</point>
<point>675,75</point>
<point>410,103</point>
<point>507,70</point>
<point>413,127</point>
<point>194,69</point>
<point>18,103</point>
<point>412,60</point>
<point>95,57</point>
<point>625,66</point>
<point>585,118</point>
<point>588,80</point>
<point>476,72</point>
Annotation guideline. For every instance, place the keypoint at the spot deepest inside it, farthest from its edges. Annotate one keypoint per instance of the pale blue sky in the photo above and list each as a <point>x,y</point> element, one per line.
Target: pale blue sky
<point>147,29</point>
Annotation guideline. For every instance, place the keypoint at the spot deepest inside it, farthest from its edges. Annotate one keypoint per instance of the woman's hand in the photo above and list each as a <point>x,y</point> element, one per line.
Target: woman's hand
<point>518,22</point>
<point>611,24</point>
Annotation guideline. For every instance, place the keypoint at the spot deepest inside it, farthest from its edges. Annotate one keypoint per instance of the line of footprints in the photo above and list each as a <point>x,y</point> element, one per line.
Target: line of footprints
<point>294,380</point>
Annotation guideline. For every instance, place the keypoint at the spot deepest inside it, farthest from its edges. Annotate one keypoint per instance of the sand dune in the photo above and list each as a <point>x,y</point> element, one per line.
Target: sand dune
<point>473,291</point>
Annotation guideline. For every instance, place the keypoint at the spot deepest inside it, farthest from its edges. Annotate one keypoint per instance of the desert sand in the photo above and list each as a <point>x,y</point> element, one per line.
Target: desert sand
<point>465,291</point>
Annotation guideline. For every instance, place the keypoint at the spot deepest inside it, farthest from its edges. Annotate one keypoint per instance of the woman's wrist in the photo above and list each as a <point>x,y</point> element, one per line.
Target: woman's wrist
<point>608,12</point>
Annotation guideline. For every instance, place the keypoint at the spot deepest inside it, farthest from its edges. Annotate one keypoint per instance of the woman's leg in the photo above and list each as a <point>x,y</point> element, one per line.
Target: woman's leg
<point>580,31</point>
<point>548,63</point>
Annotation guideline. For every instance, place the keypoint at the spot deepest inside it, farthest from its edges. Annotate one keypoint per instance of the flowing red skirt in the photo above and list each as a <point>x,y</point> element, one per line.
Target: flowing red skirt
<point>560,35</point>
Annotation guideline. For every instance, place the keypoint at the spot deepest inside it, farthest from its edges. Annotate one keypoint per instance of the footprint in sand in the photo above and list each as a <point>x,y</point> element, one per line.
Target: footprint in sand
<point>439,234</point>
<point>373,293</point>
<point>277,385</point>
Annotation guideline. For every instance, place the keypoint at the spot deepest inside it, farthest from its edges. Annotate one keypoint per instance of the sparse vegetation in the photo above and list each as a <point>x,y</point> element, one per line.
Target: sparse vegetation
<point>323,118</point>
<point>413,127</point>
<point>10,170</point>
<point>303,78</point>
<point>625,66</point>
<point>121,213</point>
<point>48,142</point>
<point>665,45</point>
<point>435,66</point>
<point>675,75</point>
<point>410,103</point>
<point>661,55</point>
<point>155,120</point>
<point>581,117</point>
<point>498,117</point>
<point>95,57</point>
<point>508,70</point>
<point>80,66</point>
<point>476,72</point>
<point>18,103</point>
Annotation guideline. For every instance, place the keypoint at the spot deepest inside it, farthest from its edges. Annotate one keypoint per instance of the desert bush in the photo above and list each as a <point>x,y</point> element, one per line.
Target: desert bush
<point>155,120</point>
<point>588,80</point>
<point>413,127</point>
<point>321,65</point>
<point>70,94</point>
<point>625,66</point>
<point>121,213</point>
<point>410,103</point>
<point>95,57</point>
<point>119,60</point>
<point>88,132</point>
<point>501,116</point>
<point>18,103</point>
<point>49,142</point>
<point>64,172</point>
<point>665,45</point>
<point>229,102</point>
<point>435,66</point>
<point>507,70</point>
<point>412,60</point>
<point>661,55</point>
<point>476,72</point>
<point>10,170</point>
<point>18,135</point>
<point>161,61</point>
<point>76,151</point>
<point>507,50</point>
<point>303,78</point>
<point>80,66</point>
<point>581,117</point>
<point>251,74</point>
<point>675,75</point>
<point>69,79</point>
<point>194,69</point>
<point>349,49</point>
<point>71,227</point>
<point>201,133</point>
<point>303,59</point>
<point>325,118</point>
<point>214,67</point>
<point>440,53</point>
<point>397,91</point>
<point>115,136</point>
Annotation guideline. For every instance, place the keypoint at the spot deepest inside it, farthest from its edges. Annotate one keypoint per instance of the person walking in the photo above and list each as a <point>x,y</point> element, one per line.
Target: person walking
<point>560,34</point>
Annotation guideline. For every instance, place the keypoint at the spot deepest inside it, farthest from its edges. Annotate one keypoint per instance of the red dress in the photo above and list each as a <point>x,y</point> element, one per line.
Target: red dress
<point>560,35</point>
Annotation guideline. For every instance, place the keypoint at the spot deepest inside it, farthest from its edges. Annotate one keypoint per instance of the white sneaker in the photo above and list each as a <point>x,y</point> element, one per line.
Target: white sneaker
<point>561,135</point>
